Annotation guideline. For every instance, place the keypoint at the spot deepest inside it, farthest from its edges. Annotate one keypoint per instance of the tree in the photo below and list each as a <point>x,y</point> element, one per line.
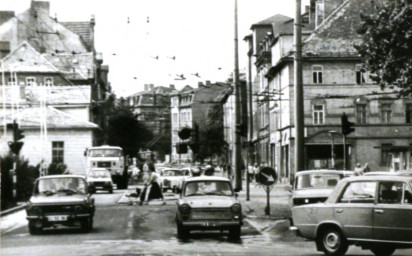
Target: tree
<point>125,131</point>
<point>387,44</point>
<point>211,134</point>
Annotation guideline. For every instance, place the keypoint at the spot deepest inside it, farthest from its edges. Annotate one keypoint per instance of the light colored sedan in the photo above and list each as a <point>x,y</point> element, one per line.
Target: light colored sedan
<point>374,212</point>
<point>208,203</point>
<point>172,178</point>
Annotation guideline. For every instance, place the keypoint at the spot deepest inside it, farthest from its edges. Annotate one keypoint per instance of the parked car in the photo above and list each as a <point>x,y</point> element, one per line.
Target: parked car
<point>60,200</point>
<point>100,179</point>
<point>314,186</point>
<point>400,173</point>
<point>172,178</point>
<point>207,203</point>
<point>374,212</point>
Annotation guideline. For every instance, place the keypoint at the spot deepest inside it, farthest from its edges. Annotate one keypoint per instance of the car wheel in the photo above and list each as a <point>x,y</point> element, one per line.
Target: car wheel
<point>332,242</point>
<point>182,232</point>
<point>86,224</point>
<point>383,250</point>
<point>234,233</point>
<point>33,230</point>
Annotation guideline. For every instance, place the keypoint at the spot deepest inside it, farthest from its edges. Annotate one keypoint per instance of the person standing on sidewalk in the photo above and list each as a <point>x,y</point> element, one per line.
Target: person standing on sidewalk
<point>251,172</point>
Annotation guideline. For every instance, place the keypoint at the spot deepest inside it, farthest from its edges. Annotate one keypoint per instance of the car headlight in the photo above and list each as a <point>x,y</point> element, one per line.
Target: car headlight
<point>184,209</point>
<point>34,210</point>
<point>78,208</point>
<point>236,208</point>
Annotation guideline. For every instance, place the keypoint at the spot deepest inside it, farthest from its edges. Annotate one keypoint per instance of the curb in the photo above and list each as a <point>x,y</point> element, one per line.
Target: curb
<point>13,210</point>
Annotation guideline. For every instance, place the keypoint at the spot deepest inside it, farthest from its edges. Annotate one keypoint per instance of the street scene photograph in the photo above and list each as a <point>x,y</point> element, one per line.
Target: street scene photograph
<point>206,127</point>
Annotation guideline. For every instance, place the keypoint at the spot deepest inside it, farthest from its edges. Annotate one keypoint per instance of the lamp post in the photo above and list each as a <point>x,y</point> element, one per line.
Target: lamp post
<point>332,133</point>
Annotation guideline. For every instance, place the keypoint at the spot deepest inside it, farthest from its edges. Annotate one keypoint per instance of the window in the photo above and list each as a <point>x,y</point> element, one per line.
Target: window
<point>30,81</point>
<point>360,75</point>
<point>385,155</point>
<point>359,192</point>
<point>48,81</point>
<point>386,111</point>
<point>317,74</point>
<point>408,113</point>
<point>318,114</point>
<point>58,152</point>
<point>391,192</point>
<point>361,113</point>
<point>12,81</point>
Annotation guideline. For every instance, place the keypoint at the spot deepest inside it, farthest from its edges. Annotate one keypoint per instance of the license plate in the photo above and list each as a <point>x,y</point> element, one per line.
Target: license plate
<point>57,218</point>
<point>210,224</point>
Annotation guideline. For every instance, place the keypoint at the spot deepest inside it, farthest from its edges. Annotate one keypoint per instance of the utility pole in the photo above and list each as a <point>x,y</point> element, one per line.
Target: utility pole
<point>298,88</point>
<point>238,157</point>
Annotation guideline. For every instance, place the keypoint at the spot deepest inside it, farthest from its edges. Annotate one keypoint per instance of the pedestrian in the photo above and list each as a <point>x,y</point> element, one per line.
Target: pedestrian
<point>251,172</point>
<point>152,188</point>
<point>256,169</point>
<point>358,171</point>
<point>366,168</point>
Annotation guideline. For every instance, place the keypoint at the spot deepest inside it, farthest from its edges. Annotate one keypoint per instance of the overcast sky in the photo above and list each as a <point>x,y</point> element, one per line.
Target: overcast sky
<point>198,33</point>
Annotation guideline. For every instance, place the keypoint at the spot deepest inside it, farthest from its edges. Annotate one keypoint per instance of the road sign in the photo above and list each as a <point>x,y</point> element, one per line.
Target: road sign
<point>266,176</point>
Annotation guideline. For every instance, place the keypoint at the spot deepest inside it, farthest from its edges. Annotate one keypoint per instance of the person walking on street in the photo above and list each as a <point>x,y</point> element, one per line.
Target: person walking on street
<point>152,188</point>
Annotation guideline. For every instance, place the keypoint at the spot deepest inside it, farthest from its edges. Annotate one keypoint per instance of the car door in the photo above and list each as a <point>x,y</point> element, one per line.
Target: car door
<point>393,213</point>
<point>354,209</point>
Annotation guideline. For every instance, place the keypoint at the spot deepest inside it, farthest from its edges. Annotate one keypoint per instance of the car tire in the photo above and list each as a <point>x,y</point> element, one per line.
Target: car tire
<point>86,224</point>
<point>234,233</point>
<point>33,230</point>
<point>332,242</point>
<point>182,232</point>
<point>383,250</point>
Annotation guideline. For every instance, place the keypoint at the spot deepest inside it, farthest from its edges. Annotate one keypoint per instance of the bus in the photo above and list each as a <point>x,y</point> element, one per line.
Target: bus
<point>110,158</point>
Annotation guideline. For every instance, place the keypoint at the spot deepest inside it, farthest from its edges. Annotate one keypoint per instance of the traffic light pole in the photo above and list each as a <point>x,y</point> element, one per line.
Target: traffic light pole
<point>238,157</point>
<point>345,161</point>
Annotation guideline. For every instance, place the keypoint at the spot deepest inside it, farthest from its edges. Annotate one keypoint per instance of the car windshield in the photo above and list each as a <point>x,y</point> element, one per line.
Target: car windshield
<point>200,188</point>
<point>317,180</point>
<point>105,153</point>
<point>69,185</point>
<point>173,173</point>
<point>99,174</point>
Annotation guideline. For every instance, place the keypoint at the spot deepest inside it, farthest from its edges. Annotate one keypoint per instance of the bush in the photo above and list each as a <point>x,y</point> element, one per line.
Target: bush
<point>56,169</point>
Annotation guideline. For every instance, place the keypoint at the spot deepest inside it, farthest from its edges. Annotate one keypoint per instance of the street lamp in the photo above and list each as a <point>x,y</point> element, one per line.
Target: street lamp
<point>332,133</point>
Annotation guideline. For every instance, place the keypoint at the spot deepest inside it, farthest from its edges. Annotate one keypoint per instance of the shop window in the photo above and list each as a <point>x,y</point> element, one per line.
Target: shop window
<point>385,155</point>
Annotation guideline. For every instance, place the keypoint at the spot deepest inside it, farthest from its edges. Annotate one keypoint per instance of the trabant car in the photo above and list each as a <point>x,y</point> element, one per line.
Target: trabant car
<point>208,203</point>
<point>172,178</point>
<point>314,186</point>
<point>374,212</point>
<point>100,179</point>
<point>60,200</point>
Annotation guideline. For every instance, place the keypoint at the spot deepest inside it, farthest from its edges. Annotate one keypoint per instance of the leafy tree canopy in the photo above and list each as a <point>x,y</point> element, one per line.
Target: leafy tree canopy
<point>125,131</point>
<point>387,44</point>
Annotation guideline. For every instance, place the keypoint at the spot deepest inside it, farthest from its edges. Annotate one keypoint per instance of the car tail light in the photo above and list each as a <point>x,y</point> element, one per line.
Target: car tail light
<point>184,209</point>
<point>236,208</point>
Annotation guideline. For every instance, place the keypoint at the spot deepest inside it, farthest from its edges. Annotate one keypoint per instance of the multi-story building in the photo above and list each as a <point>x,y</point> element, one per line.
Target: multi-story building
<point>333,83</point>
<point>152,108</point>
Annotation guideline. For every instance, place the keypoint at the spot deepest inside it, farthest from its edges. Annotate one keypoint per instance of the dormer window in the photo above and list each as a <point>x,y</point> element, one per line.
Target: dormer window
<point>48,81</point>
<point>12,81</point>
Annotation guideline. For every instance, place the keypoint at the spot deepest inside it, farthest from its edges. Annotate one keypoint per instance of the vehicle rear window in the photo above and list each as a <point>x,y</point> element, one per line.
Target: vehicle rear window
<point>201,188</point>
<point>317,180</point>
<point>359,192</point>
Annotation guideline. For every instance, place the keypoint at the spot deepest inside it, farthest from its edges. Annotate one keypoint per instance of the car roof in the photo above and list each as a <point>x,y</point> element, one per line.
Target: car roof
<point>325,171</point>
<point>62,176</point>
<point>380,178</point>
<point>171,168</point>
<point>105,147</point>
<point>207,178</point>
<point>99,169</point>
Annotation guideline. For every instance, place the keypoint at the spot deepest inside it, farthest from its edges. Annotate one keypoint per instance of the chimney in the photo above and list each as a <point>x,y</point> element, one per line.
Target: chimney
<point>172,86</point>
<point>207,82</point>
<point>146,87</point>
<point>4,48</point>
<point>200,84</point>
<point>312,11</point>
<point>92,24</point>
<point>151,86</point>
<point>41,7</point>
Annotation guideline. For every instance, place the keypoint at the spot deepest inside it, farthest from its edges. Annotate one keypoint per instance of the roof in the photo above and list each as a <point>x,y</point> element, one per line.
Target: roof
<point>83,29</point>
<point>337,35</point>
<point>27,59</point>
<point>324,171</point>
<point>62,176</point>
<point>187,88</point>
<point>207,178</point>
<point>75,66</point>
<point>56,95</point>
<point>105,146</point>
<point>56,119</point>
<point>278,18</point>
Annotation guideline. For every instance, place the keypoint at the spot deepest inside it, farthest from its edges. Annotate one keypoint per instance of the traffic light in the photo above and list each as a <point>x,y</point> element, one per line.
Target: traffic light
<point>346,126</point>
<point>194,146</point>
<point>185,133</point>
<point>15,147</point>
<point>241,129</point>
<point>181,148</point>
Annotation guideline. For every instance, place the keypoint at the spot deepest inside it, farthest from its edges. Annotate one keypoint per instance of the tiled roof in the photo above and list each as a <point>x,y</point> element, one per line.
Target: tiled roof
<point>82,63</point>
<point>26,59</point>
<point>278,18</point>
<point>30,117</point>
<point>187,88</point>
<point>83,29</point>
<point>55,95</point>
<point>337,35</point>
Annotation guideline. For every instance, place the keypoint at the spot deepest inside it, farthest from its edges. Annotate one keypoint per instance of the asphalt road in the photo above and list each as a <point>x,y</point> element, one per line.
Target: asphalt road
<point>150,230</point>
